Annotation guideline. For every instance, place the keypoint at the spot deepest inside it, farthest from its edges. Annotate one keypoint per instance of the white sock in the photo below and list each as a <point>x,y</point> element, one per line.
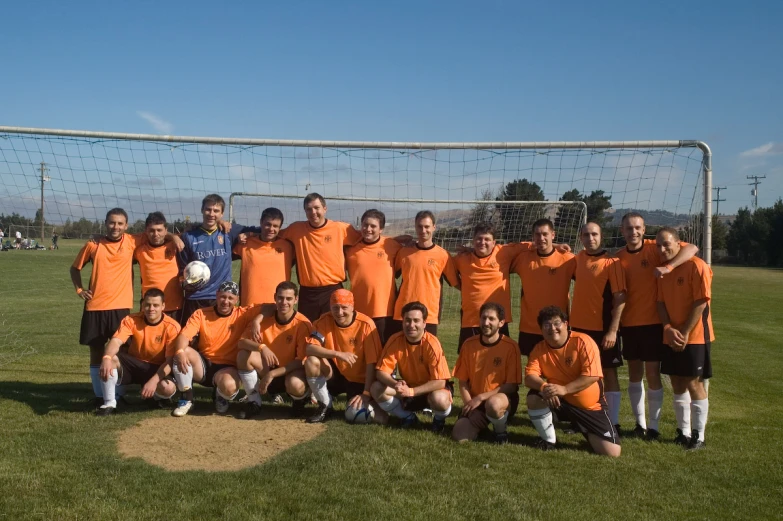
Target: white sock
<point>159,396</point>
<point>682,411</point>
<point>109,386</point>
<point>542,421</point>
<point>655,404</point>
<point>441,415</point>
<point>249,382</point>
<point>184,380</point>
<point>613,401</point>
<point>394,406</point>
<point>95,378</point>
<point>499,424</point>
<point>318,387</point>
<point>225,396</point>
<point>636,397</point>
<point>699,410</point>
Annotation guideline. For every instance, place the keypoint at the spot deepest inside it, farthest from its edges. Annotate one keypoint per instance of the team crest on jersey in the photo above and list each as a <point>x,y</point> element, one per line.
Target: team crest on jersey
<point>159,339</point>
<point>430,262</point>
<point>328,239</point>
<point>680,281</point>
<point>352,341</point>
<point>421,359</point>
<point>289,339</point>
<point>380,254</point>
<point>569,361</point>
<point>645,263</point>
<point>594,267</point>
<point>553,271</point>
<point>220,239</point>
<point>493,265</point>
<point>231,327</point>
<point>497,361</point>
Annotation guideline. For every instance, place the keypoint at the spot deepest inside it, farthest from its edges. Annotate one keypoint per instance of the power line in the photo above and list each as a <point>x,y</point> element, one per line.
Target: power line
<point>718,199</point>
<point>755,191</point>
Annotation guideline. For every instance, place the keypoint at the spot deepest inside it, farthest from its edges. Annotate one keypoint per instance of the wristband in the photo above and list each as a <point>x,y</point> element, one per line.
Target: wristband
<point>79,291</point>
<point>669,267</point>
<point>410,392</point>
<point>366,393</point>
<point>107,356</point>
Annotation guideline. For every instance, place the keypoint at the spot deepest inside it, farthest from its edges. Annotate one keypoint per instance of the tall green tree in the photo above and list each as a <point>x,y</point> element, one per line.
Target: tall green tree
<point>515,221</point>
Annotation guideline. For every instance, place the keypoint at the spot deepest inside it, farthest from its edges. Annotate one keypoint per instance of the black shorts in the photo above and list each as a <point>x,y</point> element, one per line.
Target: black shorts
<point>191,306</point>
<point>467,332</point>
<point>609,357</point>
<point>338,384</point>
<point>478,416</point>
<point>314,302</point>
<point>386,327</point>
<point>99,326</point>
<point>210,370</point>
<point>693,361</point>
<point>586,421</point>
<point>643,343</point>
<point>527,341</point>
<point>135,371</point>
<point>418,403</point>
<point>432,329</point>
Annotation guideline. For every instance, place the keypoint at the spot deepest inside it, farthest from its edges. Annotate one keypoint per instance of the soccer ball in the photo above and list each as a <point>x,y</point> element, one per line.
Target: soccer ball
<point>363,415</point>
<point>196,272</point>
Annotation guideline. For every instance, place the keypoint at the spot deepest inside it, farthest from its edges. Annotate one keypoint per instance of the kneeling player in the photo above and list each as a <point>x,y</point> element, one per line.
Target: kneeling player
<point>489,370</point>
<point>213,363</point>
<point>278,358</point>
<point>424,372</point>
<point>144,363</point>
<point>573,387</point>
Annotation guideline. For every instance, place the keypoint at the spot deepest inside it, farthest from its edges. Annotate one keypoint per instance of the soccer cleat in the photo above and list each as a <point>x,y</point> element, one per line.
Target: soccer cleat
<point>320,416</point>
<point>183,407</point>
<point>545,445</point>
<point>105,410</point>
<point>695,443</point>
<point>278,399</point>
<point>162,403</point>
<point>652,435</point>
<point>410,422</point>
<point>221,404</point>
<point>681,439</point>
<point>501,438</point>
<point>638,431</point>
<point>438,425</point>
<point>297,408</point>
<point>97,402</point>
<point>249,410</point>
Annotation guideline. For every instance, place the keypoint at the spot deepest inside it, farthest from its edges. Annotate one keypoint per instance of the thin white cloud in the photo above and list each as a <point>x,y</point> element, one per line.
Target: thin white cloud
<point>161,126</point>
<point>766,149</point>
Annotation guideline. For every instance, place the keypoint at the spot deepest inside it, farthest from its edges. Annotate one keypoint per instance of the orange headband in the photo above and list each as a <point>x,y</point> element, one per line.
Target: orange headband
<point>342,297</point>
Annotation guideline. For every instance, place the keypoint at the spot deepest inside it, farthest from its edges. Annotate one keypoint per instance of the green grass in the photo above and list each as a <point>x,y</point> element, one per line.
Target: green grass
<point>59,461</point>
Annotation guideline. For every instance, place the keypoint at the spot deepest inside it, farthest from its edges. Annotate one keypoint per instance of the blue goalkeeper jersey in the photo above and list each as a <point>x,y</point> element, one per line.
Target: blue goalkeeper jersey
<point>214,250</point>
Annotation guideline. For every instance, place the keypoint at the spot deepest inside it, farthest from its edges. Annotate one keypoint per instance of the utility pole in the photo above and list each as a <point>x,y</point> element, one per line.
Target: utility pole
<point>755,192</point>
<point>44,178</point>
<point>718,199</point>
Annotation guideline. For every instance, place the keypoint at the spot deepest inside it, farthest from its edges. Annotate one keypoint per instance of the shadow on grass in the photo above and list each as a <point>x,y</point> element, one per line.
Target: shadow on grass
<point>43,398</point>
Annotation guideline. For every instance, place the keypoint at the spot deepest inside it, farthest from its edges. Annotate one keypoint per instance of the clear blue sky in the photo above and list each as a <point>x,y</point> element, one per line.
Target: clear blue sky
<point>410,71</point>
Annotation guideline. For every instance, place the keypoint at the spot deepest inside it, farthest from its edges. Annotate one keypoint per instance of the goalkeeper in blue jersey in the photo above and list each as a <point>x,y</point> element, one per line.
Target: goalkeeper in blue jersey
<point>209,244</point>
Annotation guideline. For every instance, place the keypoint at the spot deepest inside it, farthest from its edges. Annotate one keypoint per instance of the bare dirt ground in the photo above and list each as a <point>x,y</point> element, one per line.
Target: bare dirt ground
<point>212,443</point>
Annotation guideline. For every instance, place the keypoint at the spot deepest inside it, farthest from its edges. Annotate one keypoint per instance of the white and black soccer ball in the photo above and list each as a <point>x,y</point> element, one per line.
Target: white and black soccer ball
<point>196,272</point>
<point>363,415</point>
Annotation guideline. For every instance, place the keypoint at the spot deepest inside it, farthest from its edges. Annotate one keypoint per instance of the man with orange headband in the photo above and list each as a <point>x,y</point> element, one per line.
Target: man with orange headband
<point>341,356</point>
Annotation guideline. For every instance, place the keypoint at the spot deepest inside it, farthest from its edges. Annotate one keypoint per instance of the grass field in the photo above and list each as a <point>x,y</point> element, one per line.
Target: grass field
<point>59,461</point>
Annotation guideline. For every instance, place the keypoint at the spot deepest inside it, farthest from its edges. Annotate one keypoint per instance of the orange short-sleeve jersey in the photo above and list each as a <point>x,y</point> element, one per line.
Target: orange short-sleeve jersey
<point>486,279</point>
<point>422,270</point>
<point>149,342</point>
<point>320,260</point>
<point>286,340</point>
<point>417,363</point>
<point>111,280</point>
<point>678,290</point>
<point>579,356</point>
<point>360,338</point>
<point>218,336</point>
<point>546,281</point>
<point>371,270</point>
<point>487,367</point>
<point>264,266</point>
<point>158,268</point>
<point>598,277</point>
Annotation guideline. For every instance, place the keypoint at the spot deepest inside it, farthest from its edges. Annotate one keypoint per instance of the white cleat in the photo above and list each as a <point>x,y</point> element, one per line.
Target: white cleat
<point>183,407</point>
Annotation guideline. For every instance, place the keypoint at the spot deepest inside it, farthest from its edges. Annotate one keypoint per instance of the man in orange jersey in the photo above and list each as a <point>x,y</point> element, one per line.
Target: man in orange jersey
<point>158,264</point>
<point>424,373</point>
<point>423,266</point>
<point>144,360</point>
<point>489,370</point>
<point>684,307</point>
<point>109,297</point>
<point>370,264</point>
<point>341,355</point>
<point>546,275</point>
<point>599,300</point>
<point>213,363</point>
<point>641,328</point>
<point>564,374</point>
<point>266,260</point>
<point>278,358</point>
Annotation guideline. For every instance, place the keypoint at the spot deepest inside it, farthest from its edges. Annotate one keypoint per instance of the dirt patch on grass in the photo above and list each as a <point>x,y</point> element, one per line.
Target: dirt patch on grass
<point>212,443</point>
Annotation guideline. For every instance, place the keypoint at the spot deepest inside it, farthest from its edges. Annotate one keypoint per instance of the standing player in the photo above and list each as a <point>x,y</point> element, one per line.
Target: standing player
<point>214,363</point>
<point>370,264</point>
<point>599,300</point>
<point>546,275</point>
<point>320,260</point>
<point>278,359</point>
<point>266,260</point>
<point>489,370</point>
<point>55,239</point>
<point>423,267</point>
<point>564,375</point>
<point>684,307</point>
<point>150,333</point>
<point>350,340</point>
<point>212,246</point>
<point>158,264</point>
<point>424,373</point>
<point>641,326</point>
